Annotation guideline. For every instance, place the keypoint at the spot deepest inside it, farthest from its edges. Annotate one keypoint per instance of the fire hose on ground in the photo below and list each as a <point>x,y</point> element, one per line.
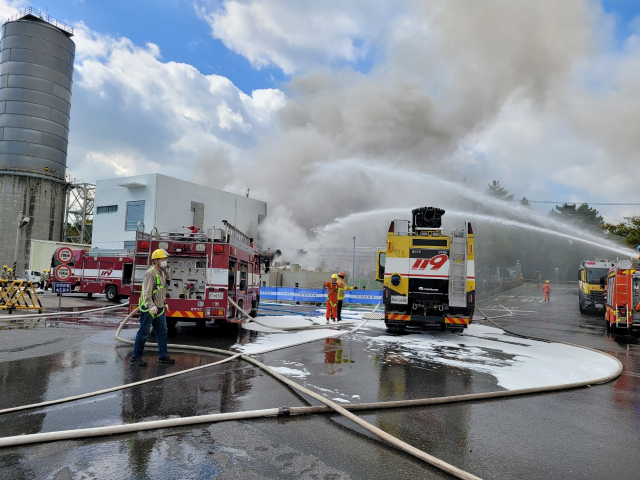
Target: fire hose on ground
<point>329,407</point>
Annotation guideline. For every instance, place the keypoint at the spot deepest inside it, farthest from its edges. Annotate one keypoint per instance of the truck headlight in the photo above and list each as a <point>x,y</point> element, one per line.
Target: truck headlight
<point>395,279</point>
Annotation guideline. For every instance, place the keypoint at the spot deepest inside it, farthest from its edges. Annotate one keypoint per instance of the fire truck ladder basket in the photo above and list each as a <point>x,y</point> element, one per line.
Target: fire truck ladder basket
<point>18,295</point>
<point>458,271</point>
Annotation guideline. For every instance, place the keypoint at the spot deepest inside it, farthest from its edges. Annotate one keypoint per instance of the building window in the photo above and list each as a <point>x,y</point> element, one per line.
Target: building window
<point>107,209</point>
<point>135,214</point>
<point>130,245</point>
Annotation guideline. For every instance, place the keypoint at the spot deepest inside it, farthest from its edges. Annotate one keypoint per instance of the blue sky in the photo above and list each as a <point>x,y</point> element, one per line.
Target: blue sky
<point>174,26</point>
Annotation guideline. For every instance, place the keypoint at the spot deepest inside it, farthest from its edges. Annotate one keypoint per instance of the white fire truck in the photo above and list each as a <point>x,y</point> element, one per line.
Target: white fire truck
<point>204,272</point>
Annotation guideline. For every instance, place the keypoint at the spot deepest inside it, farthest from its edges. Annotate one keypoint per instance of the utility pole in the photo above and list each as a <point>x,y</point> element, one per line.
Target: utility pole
<point>353,263</point>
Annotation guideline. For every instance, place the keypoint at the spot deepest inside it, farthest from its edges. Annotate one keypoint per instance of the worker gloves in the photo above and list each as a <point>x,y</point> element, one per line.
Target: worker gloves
<point>153,310</point>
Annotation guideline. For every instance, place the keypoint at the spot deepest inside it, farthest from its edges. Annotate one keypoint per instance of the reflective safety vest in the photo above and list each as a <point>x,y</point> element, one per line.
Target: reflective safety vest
<point>332,292</point>
<point>341,291</point>
<point>143,301</point>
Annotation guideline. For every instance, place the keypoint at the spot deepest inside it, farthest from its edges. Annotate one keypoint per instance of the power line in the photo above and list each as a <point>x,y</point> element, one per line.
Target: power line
<point>578,203</point>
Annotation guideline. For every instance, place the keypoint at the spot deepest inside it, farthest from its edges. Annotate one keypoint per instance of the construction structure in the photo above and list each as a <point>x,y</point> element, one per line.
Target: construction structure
<point>36,74</point>
<point>78,226</point>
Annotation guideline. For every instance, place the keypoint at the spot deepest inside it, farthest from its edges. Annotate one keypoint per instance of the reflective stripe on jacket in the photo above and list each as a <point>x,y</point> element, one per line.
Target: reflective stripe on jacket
<point>151,296</point>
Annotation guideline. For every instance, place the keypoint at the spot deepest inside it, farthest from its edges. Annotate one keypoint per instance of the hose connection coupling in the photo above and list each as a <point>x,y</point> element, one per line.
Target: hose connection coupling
<point>284,411</point>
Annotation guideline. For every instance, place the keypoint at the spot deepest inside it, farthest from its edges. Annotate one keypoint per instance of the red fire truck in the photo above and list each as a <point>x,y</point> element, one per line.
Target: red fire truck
<point>204,272</point>
<point>622,297</point>
<point>100,271</point>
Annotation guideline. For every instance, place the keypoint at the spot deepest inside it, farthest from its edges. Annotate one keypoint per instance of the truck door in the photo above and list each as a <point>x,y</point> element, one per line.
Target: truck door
<point>232,278</point>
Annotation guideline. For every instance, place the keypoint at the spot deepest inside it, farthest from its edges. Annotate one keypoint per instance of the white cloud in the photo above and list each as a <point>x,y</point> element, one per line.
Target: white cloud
<point>128,103</point>
<point>294,35</point>
<point>8,8</point>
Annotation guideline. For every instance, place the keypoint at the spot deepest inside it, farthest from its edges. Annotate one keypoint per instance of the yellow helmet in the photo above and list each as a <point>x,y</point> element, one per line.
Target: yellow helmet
<point>9,269</point>
<point>159,253</point>
<point>334,276</point>
<point>547,281</point>
<point>4,266</point>
<point>46,269</point>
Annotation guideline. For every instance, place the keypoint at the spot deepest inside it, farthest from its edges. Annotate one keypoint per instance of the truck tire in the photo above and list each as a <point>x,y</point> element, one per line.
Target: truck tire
<point>582,310</point>
<point>111,292</point>
<point>89,295</point>
<point>254,309</point>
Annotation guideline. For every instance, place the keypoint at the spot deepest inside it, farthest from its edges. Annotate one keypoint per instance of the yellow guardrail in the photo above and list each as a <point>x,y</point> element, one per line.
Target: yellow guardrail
<point>19,295</point>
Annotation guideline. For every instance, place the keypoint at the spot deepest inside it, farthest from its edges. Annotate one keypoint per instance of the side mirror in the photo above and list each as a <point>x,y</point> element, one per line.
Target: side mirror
<point>382,260</point>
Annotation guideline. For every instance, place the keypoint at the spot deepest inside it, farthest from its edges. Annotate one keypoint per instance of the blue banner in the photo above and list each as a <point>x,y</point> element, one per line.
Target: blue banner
<point>288,294</point>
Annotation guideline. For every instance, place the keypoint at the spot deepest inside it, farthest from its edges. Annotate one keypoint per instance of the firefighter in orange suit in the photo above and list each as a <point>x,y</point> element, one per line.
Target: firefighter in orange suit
<point>332,298</point>
<point>546,289</point>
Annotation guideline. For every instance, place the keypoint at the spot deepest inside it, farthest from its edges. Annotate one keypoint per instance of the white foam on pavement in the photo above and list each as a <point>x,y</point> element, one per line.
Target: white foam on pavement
<point>514,361</point>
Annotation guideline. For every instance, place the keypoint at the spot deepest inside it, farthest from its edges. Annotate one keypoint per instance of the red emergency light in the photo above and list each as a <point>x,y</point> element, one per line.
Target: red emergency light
<point>218,248</point>
<point>144,245</point>
<point>590,263</point>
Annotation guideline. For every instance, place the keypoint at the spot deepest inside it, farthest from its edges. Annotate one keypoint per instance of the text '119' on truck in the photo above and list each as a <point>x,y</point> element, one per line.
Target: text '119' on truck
<point>204,271</point>
<point>428,274</point>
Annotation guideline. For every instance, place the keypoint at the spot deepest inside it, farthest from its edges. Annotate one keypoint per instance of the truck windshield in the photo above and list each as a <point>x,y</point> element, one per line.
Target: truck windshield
<point>594,274</point>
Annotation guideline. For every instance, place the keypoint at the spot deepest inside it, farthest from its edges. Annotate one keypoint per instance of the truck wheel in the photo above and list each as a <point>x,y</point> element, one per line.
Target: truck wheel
<point>581,308</point>
<point>254,309</point>
<point>89,295</point>
<point>111,292</point>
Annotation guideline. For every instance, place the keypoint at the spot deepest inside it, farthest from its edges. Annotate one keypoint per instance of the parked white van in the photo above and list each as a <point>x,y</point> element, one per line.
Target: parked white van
<point>32,276</point>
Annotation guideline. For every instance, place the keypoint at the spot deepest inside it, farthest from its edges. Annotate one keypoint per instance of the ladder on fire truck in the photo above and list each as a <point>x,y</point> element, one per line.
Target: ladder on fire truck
<point>458,270</point>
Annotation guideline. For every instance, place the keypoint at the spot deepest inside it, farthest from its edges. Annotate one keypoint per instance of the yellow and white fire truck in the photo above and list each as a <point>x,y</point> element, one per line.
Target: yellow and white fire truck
<point>591,288</point>
<point>428,275</point>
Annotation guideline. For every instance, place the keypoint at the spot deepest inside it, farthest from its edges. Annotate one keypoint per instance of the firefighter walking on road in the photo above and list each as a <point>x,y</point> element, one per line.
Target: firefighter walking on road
<point>546,289</point>
<point>153,311</point>
<point>332,298</point>
<point>342,287</point>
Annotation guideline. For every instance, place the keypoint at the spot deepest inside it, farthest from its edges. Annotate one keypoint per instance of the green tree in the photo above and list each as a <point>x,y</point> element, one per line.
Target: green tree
<point>524,202</point>
<point>628,230</point>
<point>498,191</point>
<point>583,216</point>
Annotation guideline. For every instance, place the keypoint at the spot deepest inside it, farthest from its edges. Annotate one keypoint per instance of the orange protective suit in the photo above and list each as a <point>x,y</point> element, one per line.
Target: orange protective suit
<point>546,289</point>
<point>332,300</point>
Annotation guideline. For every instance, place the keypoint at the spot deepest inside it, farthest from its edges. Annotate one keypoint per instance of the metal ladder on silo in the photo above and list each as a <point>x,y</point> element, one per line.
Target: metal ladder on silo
<point>458,270</point>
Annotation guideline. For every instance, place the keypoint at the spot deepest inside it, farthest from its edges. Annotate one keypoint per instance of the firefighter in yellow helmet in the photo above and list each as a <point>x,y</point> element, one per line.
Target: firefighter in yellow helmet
<point>153,310</point>
<point>47,278</point>
<point>4,274</point>
<point>546,289</point>
<point>342,287</point>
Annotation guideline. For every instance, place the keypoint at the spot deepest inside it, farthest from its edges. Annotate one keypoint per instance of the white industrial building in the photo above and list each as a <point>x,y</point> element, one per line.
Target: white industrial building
<point>169,204</point>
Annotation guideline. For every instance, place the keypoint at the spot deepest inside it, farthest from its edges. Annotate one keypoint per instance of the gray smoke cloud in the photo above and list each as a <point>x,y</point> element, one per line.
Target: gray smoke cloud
<point>405,133</point>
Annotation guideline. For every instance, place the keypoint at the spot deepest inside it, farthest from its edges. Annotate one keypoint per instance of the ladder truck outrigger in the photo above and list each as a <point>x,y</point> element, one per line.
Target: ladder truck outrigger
<point>206,274</point>
<point>622,296</point>
<point>428,275</point>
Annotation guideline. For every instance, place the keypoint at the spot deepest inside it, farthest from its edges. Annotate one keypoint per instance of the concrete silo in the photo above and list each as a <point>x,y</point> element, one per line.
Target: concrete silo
<point>36,73</point>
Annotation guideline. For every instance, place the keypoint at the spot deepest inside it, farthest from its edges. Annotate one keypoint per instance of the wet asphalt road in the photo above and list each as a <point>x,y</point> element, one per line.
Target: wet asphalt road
<point>590,433</point>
